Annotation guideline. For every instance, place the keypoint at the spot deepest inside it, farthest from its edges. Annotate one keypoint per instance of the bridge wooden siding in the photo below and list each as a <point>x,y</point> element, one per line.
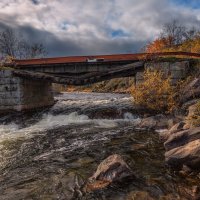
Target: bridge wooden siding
<point>84,79</point>
<point>76,70</point>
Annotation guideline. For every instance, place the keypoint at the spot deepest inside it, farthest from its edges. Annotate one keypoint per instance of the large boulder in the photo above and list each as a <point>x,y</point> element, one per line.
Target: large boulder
<point>181,138</point>
<point>187,153</point>
<point>111,170</point>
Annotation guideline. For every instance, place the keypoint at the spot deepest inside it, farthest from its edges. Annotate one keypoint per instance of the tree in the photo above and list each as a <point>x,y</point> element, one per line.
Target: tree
<point>13,45</point>
<point>175,37</point>
<point>174,32</point>
<point>157,45</point>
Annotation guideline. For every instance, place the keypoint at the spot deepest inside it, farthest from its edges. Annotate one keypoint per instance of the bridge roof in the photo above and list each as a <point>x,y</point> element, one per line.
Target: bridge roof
<point>108,58</point>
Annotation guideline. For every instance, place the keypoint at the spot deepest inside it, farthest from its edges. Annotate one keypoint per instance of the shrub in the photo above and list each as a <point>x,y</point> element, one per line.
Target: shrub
<point>155,92</point>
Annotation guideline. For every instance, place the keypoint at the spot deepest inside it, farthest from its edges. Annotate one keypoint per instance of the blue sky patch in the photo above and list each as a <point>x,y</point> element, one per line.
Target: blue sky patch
<point>64,25</point>
<point>118,33</point>
<point>195,4</point>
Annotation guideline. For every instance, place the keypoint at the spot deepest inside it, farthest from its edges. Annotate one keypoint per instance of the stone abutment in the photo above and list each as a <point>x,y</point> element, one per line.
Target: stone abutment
<point>17,94</point>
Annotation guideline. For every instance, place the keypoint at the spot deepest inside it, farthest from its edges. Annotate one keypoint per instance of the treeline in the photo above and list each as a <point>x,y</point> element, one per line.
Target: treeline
<point>175,37</point>
<point>13,45</point>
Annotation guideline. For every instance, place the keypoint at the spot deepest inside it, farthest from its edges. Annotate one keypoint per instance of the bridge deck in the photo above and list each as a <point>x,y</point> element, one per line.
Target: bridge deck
<point>106,58</point>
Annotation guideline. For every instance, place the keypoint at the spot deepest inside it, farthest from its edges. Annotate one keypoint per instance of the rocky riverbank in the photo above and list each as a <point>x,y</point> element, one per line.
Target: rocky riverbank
<point>181,141</point>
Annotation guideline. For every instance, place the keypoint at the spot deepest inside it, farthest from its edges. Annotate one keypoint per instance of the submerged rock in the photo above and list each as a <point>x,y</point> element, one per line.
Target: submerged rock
<point>112,169</point>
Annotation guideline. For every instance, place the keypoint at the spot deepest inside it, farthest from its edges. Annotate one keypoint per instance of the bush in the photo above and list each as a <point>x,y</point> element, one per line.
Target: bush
<point>155,92</point>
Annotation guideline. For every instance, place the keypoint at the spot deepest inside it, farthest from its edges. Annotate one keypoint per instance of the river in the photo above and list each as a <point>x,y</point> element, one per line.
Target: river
<point>49,154</point>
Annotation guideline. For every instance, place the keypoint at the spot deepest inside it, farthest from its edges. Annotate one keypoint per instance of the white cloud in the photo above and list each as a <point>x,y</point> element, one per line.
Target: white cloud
<point>92,21</point>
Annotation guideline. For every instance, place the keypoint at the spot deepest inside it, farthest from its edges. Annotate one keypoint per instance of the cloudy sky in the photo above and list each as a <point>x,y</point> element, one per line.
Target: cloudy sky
<point>85,27</point>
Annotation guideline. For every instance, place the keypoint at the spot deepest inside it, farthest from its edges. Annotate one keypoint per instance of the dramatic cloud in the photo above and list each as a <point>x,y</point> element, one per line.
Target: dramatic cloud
<point>77,27</point>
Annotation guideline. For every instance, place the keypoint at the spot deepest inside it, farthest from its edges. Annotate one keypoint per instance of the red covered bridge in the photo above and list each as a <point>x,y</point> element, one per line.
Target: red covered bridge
<point>80,70</point>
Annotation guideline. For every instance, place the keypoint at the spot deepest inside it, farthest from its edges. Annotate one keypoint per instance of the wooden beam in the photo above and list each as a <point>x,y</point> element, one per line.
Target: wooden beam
<point>122,71</point>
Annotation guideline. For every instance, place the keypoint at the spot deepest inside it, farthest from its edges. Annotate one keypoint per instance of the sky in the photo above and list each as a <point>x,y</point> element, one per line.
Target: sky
<point>89,27</point>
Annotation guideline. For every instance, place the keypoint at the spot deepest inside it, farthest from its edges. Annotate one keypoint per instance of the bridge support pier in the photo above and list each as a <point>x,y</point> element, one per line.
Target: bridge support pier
<point>19,94</point>
<point>176,71</point>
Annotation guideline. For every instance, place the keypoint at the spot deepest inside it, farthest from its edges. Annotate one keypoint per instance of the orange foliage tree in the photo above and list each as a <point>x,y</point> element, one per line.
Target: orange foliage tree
<point>158,45</point>
<point>175,37</point>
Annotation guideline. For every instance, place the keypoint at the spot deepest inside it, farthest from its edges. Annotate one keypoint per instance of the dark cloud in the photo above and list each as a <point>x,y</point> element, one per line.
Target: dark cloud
<point>68,27</point>
<point>59,47</point>
<point>36,2</point>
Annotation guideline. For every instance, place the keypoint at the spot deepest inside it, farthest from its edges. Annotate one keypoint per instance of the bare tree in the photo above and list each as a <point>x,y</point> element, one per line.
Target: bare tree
<point>13,45</point>
<point>174,33</point>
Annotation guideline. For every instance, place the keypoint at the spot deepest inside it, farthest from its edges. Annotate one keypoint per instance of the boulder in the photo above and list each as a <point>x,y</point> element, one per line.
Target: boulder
<point>191,91</point>
<point>187,104</point>
<point>111,170</point>
<point>155,122</point>
<point>174,129</point>
<point>188,154</point>
<point>181,138</point>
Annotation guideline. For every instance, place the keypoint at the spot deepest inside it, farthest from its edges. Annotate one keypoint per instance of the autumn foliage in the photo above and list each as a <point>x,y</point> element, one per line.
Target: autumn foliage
<point>175,37</point>
<point>158,45</point>
<point>154,93</point>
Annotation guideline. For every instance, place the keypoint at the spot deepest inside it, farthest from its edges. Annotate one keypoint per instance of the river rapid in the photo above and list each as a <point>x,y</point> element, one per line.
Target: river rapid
<point>49,154</point>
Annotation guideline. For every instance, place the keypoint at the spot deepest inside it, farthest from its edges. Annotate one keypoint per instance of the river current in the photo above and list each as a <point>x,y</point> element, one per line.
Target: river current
<point>49,154</point>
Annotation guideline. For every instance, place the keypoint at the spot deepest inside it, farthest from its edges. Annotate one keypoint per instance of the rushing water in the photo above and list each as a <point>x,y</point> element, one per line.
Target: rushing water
<point>49,154</point>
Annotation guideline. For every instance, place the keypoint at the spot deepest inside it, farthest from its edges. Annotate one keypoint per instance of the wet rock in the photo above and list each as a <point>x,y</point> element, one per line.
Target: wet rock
<point>72,184</point>
<point>188,154</point>
<point>174,129</point>
<point>113,169</point>
<point>181,138</point>
<point>155,122</point>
